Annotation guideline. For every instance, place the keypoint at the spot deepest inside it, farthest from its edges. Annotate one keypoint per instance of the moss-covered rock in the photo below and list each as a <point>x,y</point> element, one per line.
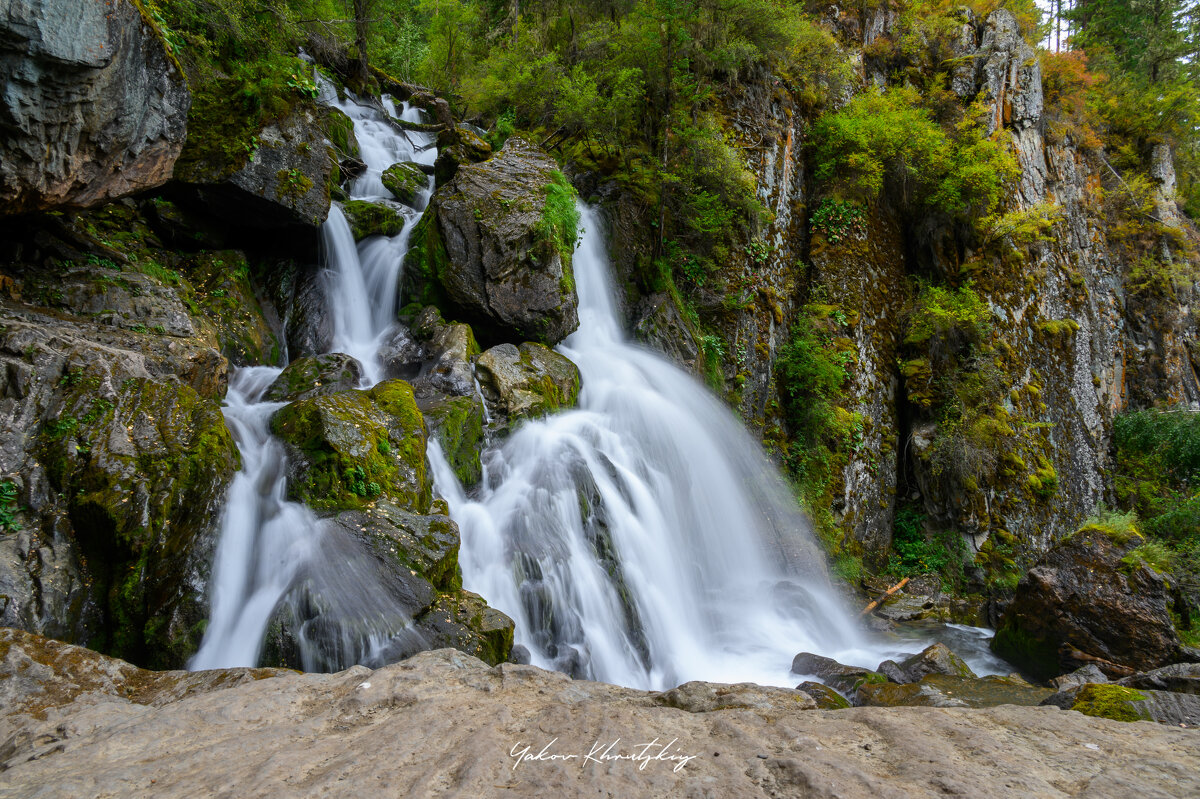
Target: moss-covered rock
<point>457,424</point>
<point>495,245</point>
<point>825,697</point>
<point>371,219</point>
<point>424,546</point>
<point>527,381</point>
<point>934,659</point>
<point>458,146</point>
<point>315,376</point>
<point>464,621</point>
<point>352,448</point>
<point>142,466</point>
<point>221,290</point>
<point>1111,702</point>
<point>405,181</point>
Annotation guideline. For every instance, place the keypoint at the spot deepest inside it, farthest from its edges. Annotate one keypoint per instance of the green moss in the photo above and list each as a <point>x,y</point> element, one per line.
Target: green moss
<point>372,219</point>
<point>1111,702</point>
<point>1058,327</point>
<point>457,423</point>
<point>426,260</point>
<point>292,185</point>
<point>340,130</point>
<point>405,181</point>
<point>559,225</point>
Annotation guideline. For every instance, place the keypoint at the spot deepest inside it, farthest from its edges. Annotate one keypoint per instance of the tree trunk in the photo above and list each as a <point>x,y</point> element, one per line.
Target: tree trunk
<point>361,10</point>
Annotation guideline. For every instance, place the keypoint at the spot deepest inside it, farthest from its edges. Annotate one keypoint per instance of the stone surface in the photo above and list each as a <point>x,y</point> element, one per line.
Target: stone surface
<point>934,659</point>
<point>483,248</point>
<point>846,680</point>
<point>405,181</point>
<point>315,376</point>
<point>526,381</point>
<point>371,219</point>
<point>94,106</point>
<point>1183,678</point>
<point>659,325</point>
<point>350,448</point>
<point>1121,703</point>
<point>1081,596</point>
<point>353,732</point>
<point>941,690</point>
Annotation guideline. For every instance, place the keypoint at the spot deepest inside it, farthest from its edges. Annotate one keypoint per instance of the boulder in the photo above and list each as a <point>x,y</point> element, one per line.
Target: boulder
<point>494,247</point>
<point>405,181</point>
<point>349,449</point>
<point>1081,598</point>
<point>371,219</point>
<point>1180,678</point>
<point>315,376</point>
<point>1081,676</point>
<point>526,381</point>
<point>825,697</point>
<point>943,690</point>
<point>934,659</point>
<point>846,680</point>
<point>464,621</point>
<point>660,326</point>
<point>281,175</point>
<point>94,105</point>
<point>1122,703</point>
<point>706,697</point>
<point>458,145</point>
<point>457,424</point>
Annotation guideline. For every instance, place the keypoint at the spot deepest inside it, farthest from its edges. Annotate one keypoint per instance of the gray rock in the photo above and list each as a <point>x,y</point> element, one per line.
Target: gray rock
<point>1182,678</point>
<point>1081,676</point>
<point>661,326</point>
<point>94,107</point>
<point>315,376</point>
<point>892,670</point>
<point>405,181</point>
<point>706,697</point>
<point>526,381</point>
<point>483,247</point>
<point>278,733</point>
<point>934,659</point>
<point>1122,703</point>
<point>825,697</point>
<point>846,680</point>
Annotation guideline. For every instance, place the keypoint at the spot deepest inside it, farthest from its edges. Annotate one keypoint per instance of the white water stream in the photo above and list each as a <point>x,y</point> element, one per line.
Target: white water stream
<point>642,539</point>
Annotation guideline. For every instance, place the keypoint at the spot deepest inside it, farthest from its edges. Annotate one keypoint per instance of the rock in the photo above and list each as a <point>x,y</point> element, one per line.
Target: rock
<point>457,146</point>
<point>494,247</point>
<point>282,179</point>
<point>661,326</point>
<point>464,621</point>
<point>934,659</point>
<point>706,697</point>
<point>892,670</point>
<point>1181,678</point>
<point>405,181</point>
<point>315,376</point>
<point>825,697</point>
<point>527,381</point>
<point>309,324</point>
<point>371,219</point>
<point>519,655</point>
<point>846,680</point>
<point>944,690</point>
<point>349,449</point>
<point>457,424</point>
<point>424,544</point>
<point>1080,595</point>
<point>1081,676</point>
<point>1121,703</point>
<point>446,352</point>
<point>267,736</point>
<point>94,104</point>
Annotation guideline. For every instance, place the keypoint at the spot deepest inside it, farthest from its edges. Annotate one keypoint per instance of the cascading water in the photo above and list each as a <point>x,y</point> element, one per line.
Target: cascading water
<point>644,539</point>
<point>273,553</point>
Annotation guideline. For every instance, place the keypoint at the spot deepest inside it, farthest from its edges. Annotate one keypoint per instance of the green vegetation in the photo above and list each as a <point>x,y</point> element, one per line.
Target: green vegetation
<point>8,507</point>
<point>1110,702</point>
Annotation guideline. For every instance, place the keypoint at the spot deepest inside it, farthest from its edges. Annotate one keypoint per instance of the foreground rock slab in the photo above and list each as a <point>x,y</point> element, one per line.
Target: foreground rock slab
<point>444,724</point>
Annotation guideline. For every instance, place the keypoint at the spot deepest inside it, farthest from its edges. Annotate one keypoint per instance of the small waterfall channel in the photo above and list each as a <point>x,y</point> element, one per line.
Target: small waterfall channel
<point>273,553</point>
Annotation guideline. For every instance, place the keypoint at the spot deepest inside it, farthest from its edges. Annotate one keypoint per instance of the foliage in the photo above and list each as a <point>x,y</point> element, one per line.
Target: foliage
<point>559,224</point>
<point>889,140</point>
<point>837,220</point>
<point>941,313</point>
<point>8,507</point>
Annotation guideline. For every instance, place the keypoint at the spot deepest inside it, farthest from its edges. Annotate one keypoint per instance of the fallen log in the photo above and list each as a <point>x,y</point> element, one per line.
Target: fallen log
<point>884,596</point>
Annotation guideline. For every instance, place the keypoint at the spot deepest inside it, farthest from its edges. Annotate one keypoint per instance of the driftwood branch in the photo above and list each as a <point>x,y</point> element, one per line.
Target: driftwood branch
<point>884,596</point>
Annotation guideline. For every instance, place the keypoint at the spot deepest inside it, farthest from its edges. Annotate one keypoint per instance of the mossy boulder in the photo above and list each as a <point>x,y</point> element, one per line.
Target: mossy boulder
<point>458,146</point>
<point>825,697</point>
<point>944,690</point>
<point>1123,703</point>
<point>315,376</point>
<point>142,466</point>
<point>405,181</point>
<point>464,621</point>
<point>846,680</point>
<point>372,219</point>
<point>1080,597</point>
<point>934,659</point>
<point>222,292</point>
<point>457,424</point>
<point>349,449</point>
<point>527,381</point>
<point>426,545</point>
<point>494,248</point>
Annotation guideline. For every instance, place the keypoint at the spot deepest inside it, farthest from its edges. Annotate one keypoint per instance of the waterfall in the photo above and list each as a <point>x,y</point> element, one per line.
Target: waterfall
<point>643,539</point>
<point>273,556</point>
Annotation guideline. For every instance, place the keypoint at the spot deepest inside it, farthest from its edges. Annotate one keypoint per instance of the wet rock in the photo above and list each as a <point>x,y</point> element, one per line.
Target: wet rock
<point>447,349</point>
<point>463,620</point>
<point>458,145</point>
<point>261,732</point>
<point>309,325</point>
<point>315,376</point>
<point>942,690</point>
<point>1081,676</point>
<point>705,697</point>
<point>892,670</point>
<point>352,448</point>
<point>405,181</point>
<point>1181,678</point>
<point>825,697</point>
<point>491,251</point>
<point>526,381</point>
<point>371,219</point>
<point>426,545</point>
<point>846,680</point>
<point>519,655</point>
<point>1080,596</point>
<point>457,424</point>
<point>94,105</point>
<point>661,326</point>
<point>934,659</point>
